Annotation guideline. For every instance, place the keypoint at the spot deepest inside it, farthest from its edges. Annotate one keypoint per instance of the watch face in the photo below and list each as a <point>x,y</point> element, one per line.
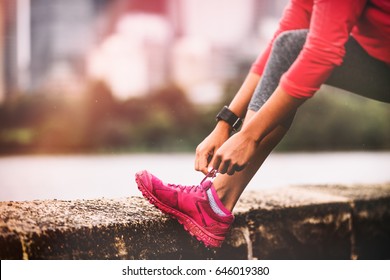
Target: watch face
<point>237,124</point>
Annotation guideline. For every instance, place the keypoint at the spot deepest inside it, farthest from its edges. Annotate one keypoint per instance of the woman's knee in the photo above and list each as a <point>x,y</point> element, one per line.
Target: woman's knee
<point>289,43</point>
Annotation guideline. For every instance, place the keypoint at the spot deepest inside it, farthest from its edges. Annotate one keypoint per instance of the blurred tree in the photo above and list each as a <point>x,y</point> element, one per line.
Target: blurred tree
<point>166,120</point>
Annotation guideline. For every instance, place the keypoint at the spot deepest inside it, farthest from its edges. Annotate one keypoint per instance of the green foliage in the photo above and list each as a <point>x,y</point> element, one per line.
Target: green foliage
<point>166,120</point>
<point>339,120</point>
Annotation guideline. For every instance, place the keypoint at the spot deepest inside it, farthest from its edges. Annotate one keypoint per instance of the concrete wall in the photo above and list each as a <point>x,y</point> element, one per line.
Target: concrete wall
<point>307,222</point>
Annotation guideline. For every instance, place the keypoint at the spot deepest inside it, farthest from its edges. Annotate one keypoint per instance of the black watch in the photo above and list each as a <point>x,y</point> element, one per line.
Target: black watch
<point>228,116</point>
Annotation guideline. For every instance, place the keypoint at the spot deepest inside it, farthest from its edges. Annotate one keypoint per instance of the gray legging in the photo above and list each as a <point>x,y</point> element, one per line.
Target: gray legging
<point>360,73</point>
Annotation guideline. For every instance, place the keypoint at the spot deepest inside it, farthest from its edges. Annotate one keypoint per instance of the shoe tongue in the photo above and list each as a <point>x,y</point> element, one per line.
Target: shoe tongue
<point>206,184</point>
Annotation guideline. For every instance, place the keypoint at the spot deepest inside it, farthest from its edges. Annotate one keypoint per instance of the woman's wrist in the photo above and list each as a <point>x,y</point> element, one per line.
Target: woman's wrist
<point>251,134</point>
<point>223,126</point>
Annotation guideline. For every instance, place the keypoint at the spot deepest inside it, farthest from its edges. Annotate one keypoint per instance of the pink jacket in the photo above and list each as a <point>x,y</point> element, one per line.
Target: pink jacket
<point>330,22</point>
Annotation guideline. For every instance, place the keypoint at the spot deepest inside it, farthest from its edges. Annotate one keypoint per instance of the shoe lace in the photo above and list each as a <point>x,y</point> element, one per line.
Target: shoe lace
<point>212,173</point>
<point>193,188</point>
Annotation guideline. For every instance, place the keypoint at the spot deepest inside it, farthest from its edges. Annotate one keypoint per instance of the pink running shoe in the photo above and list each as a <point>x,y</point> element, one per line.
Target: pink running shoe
<point>189,205</point>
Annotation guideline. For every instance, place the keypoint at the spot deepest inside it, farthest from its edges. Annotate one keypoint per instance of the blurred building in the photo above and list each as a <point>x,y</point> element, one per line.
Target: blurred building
<point>60,37</point>
<point>44,42</point>
<point>8,66</point>
<point>2,91</point>
<point>135,46</point>
<point>133,55</point>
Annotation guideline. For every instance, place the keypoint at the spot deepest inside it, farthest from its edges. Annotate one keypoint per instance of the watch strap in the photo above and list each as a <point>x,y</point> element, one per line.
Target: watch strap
<point>228,116</point>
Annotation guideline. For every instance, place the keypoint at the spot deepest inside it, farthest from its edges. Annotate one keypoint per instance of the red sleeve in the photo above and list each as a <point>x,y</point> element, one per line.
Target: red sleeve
<point>295,16</point>
<point>330,26</point>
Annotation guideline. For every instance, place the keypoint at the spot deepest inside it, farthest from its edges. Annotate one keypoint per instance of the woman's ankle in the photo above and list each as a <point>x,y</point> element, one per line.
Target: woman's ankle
<point>226,194</point>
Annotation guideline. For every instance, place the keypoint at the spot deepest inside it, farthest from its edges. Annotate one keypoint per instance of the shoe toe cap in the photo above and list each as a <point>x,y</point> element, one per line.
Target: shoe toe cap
<point>147,180</point>
<point>144,178</point>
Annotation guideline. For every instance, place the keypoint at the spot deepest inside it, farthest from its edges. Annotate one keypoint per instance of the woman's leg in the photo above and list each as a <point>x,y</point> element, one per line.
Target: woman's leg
<point>371,81</point>
<point>284,52</point>
<point>362,74</point>
<point>229,188</point>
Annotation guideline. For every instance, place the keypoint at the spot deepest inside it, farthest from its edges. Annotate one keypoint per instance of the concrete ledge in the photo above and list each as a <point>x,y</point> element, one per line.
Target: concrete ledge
<point>306,222</point>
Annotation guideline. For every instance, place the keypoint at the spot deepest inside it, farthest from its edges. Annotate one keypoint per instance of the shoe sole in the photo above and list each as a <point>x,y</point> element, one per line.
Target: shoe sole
<point>191,226</point>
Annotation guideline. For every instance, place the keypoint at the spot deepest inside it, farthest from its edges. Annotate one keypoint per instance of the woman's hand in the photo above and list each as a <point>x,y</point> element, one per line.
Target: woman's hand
<point>235,154</point>
<point>207,148</point>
